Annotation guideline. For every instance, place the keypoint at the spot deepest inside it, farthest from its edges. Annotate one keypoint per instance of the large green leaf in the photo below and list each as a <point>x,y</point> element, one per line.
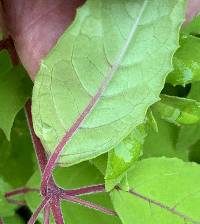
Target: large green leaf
<point>186,62</point>
<point>178,110</point>
<point>17,155</point>
<point>83,174</point>
<point>120,43</point>
<point>162,191</point>
<point>15,88</point>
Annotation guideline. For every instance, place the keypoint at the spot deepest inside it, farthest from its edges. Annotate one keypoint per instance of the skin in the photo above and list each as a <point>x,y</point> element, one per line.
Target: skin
<point>36,25</point>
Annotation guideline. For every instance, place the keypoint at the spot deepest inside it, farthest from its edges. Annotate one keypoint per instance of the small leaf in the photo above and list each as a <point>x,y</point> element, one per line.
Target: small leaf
<point>186,62</point>
<point>178,110</point>
<point>151,121</point>
<point>100,163</point>
<point>15,88</point>
<point>123,156</point>
<point>83,174</point>
<point>163,143</point>
<point>17,155</point>
<point>104,73</point>
<point>6,209</point>
<point>162,191</point>
<point>193,27</point>
<point>189,134</point>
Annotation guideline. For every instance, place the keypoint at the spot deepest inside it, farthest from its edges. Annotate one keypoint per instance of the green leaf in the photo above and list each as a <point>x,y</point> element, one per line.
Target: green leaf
<point>163,191</point>
<point>15,88</point>
<point>194,154</point>
<point>189,134</point>
<point>151,121</point>
<point>178,110</point>
<point>17,156</point>
<point>123,156</point>
<point>5,63</point>
<point>13,219</point>
<point>100,163</point>
<point>6,209</point>
<point>186,62</point>
<point>193,27</point>
<point>163,143</point>
<point>83,174</point>
<point>125,40</point>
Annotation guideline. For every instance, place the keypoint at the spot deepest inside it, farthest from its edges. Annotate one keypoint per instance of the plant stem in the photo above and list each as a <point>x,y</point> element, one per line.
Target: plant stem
<point>39,149</point>
<point>16,202</point>
<point>47,214</point>
<point>1,221</point>
<point>85,190</point>
<point>42,205</point>
<point>19,191</point>
<point>89,205</point>
<point>56,210</point>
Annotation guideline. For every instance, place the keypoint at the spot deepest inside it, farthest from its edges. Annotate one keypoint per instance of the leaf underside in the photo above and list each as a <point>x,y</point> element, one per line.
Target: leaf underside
<point>83,58</point>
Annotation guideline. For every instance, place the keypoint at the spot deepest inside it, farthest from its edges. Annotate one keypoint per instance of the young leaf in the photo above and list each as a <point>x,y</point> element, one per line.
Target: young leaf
<point>109,66</point>
<point>162,191</point>
<point>123,156</point>
<point>17,155</point>
<point>178,110</point>
<point>186,62</point>
<point>84,174</point>
<point>15,88</point>
<point>6,209</point>
<point>189,134</point>
<point>193,27</point>
<point>163,142</point>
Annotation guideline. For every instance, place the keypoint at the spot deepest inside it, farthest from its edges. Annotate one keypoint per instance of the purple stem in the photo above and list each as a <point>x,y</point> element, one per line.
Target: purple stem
<point>42,205</point>
<point>56,210</point>
<point>19,191</point>
<point>1,221</point>
<point>47,214</point>
<point>85,190</point>
<point>39,149</point>
<point>89,205</point>
<point>16,202</point>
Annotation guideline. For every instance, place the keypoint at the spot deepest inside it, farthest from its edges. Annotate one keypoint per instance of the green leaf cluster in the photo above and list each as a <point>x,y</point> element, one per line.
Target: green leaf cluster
<point>142,136</point>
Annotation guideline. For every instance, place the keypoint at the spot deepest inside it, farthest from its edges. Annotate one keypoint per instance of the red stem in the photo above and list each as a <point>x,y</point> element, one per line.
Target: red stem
<point>39,149</point>
<point>89,205</point>
<point>85,190</point>
<point>16,202</point>
<point>42,205</point>
<point>19,191</point>
<point>1,221</point>
<point>47,214</point>
<point>56,210</point>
